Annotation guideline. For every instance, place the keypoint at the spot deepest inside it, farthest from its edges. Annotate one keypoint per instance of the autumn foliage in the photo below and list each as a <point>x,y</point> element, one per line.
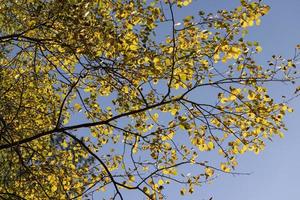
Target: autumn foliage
<point>106,96</point>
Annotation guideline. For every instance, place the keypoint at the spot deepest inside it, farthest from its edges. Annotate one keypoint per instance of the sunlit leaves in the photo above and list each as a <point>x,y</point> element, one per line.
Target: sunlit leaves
<point>209,172</point>
<point>77,107</point>
<point>258,49</point>
<point>183,2</point>
<point>120,104</point>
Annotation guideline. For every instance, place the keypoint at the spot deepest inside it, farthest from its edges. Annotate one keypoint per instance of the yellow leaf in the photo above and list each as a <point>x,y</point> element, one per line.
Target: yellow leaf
<point>210,145</point>
<point>155,117</point>
<point>126,89</point>
<point>224,100</point>
<point>156,60</point>
<point>133,47</point>
<point>160,182</point>
<point>53,188</point>
<point>64,144</point>
<point>232,97</point>
<point>131,178</point>
<point>259,49</point>
<point>173,111</point>
<point>183,2</point>
<point>209,171</point>
<point>103,189</point>
<point>224,167</point>
<point>251,95</point>
<point>281,135</point>
<point>77,107</point>
<point>216,57</point>
<point>257,21</point>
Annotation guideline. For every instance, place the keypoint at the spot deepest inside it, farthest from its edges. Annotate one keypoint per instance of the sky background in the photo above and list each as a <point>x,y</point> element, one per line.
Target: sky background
<point>275,171</point>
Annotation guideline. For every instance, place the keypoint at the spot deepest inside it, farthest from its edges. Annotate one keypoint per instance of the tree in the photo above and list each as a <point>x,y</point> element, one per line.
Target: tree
<point>91,99</point>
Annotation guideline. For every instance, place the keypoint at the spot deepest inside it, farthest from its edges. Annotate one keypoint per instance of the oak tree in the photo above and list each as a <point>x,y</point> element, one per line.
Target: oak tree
<point>99,95</point>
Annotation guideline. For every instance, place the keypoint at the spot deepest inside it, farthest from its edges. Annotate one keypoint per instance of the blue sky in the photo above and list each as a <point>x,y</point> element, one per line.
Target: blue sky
<point>274,172</point>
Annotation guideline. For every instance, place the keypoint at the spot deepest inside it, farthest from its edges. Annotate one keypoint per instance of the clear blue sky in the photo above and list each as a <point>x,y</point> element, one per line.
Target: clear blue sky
<point>275,171</point>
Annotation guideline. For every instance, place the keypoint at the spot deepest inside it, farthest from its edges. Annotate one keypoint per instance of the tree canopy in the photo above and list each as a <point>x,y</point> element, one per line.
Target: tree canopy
<point>114,95</point>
